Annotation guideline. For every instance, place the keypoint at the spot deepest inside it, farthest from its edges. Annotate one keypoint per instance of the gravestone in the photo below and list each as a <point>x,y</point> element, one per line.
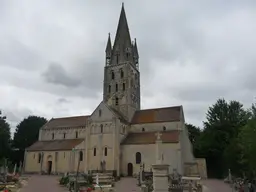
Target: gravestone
<point>160,170</point>
<point>160,177</point>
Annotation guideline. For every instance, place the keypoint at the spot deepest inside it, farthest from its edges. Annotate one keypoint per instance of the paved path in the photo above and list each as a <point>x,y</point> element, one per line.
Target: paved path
<point>214,185</point>
<point>38,183</point>
<point>127,185</point>
<point>41,183</point>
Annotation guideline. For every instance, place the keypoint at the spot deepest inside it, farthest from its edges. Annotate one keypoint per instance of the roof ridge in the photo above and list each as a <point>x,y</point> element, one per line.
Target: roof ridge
<point>68,117</point>
<point>60,140</point>
<point>160,108</point>
<point>167,131</point>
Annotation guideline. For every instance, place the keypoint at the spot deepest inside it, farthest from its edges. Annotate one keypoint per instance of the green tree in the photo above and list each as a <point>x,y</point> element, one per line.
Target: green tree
<point>193,133</point>
<point>252,111</point>
<point>223,123</point>
<point>26,133</point>
<point>248,146</point>
<point>5,137</point>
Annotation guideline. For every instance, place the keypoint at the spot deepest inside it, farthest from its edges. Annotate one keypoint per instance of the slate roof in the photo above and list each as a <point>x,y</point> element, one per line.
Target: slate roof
<point>157,115</point>
<point>55,145</point>
<point>75,121</point>
<point>150,138</point>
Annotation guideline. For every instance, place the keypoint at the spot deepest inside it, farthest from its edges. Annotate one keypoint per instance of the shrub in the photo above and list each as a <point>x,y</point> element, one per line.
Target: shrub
<point>64,180</point>
<point>89,179</point>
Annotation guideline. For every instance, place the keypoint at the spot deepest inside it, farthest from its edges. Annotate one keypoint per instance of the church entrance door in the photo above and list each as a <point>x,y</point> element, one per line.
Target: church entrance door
<point>130,169</point>
<point>49,168</point>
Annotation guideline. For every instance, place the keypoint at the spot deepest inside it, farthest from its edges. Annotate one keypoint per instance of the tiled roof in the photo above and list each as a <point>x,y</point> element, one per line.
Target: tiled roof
<point>55,145</point>
<point>76,121</point>
<point>150,138</point>
<point>157,115</point>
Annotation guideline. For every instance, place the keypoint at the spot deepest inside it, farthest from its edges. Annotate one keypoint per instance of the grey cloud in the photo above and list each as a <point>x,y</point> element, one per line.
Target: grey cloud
<point>15,116</point>
<point>56,74</point>
<point>14,53</point>
<point>62,100</point>
<point>84,79</point>
<point>200,93</point>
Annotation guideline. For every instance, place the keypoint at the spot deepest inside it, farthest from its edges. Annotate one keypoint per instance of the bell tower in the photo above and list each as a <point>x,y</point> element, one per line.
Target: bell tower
<point>121,89</point>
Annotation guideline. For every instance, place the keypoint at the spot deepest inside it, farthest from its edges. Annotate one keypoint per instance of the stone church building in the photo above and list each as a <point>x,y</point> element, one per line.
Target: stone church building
<point>118,136</point>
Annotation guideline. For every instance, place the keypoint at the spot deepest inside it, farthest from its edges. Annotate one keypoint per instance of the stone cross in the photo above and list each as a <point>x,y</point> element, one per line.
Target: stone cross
<point>229,176</point>
<point>97,180</point>
<point>158,136</point>
<point>159,157</point>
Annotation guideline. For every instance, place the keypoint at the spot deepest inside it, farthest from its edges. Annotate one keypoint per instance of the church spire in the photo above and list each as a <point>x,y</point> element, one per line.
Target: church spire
<point>109,46</point>
<point>135,48</point>
<point>108,50</point>
<point>122,34</point>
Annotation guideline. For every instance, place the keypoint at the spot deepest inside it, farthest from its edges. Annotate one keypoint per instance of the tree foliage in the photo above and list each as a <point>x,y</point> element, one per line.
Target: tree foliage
<point>5,137</point>
<point>218,142</point>
<point>193,132</point>
<point>27,131</point>
<point>247,139</point>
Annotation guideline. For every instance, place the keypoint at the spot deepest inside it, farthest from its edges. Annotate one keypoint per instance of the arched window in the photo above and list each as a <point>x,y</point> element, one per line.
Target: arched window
<point>76,134</point>
<point>109,89</point>
<point>52,135</point>
<point>122,73</point>
<point>106,151</point>
<point>164,128</point>
<point>112,75</point>
<point>116,87</point>
<point>116,101</point>
<point>39,157</point>
<point>100,113</point>
<point>64,135</point>
<point>94,152</point>
<point>123,86</point>
<point>138,158</point>
<point>136,76</point>
<point>143,129</point>
<point>81,156</point>
<point>101,128</point>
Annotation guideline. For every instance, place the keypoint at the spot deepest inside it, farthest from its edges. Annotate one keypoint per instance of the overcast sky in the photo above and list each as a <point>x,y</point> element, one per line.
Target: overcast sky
<point>191,54</point>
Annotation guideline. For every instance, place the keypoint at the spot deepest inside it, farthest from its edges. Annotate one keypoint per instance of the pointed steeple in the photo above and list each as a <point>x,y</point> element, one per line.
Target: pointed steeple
<point>122,34</point>
<point>109,46</point>
<point>135,49</point>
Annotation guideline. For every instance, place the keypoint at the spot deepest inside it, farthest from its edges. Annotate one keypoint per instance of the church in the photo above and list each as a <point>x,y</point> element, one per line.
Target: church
<point>118,136</point>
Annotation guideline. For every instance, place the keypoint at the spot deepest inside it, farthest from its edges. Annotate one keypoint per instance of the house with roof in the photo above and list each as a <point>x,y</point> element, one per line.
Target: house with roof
<point>118,136</point>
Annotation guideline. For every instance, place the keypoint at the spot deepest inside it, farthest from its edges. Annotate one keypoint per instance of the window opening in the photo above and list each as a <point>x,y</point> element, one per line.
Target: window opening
<point>138,158</point>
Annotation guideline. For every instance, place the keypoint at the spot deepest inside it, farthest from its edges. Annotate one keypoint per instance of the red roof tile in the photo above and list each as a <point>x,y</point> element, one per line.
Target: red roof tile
<point>55,145</point>
<point>157,115</point>
<point>76,121</point>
